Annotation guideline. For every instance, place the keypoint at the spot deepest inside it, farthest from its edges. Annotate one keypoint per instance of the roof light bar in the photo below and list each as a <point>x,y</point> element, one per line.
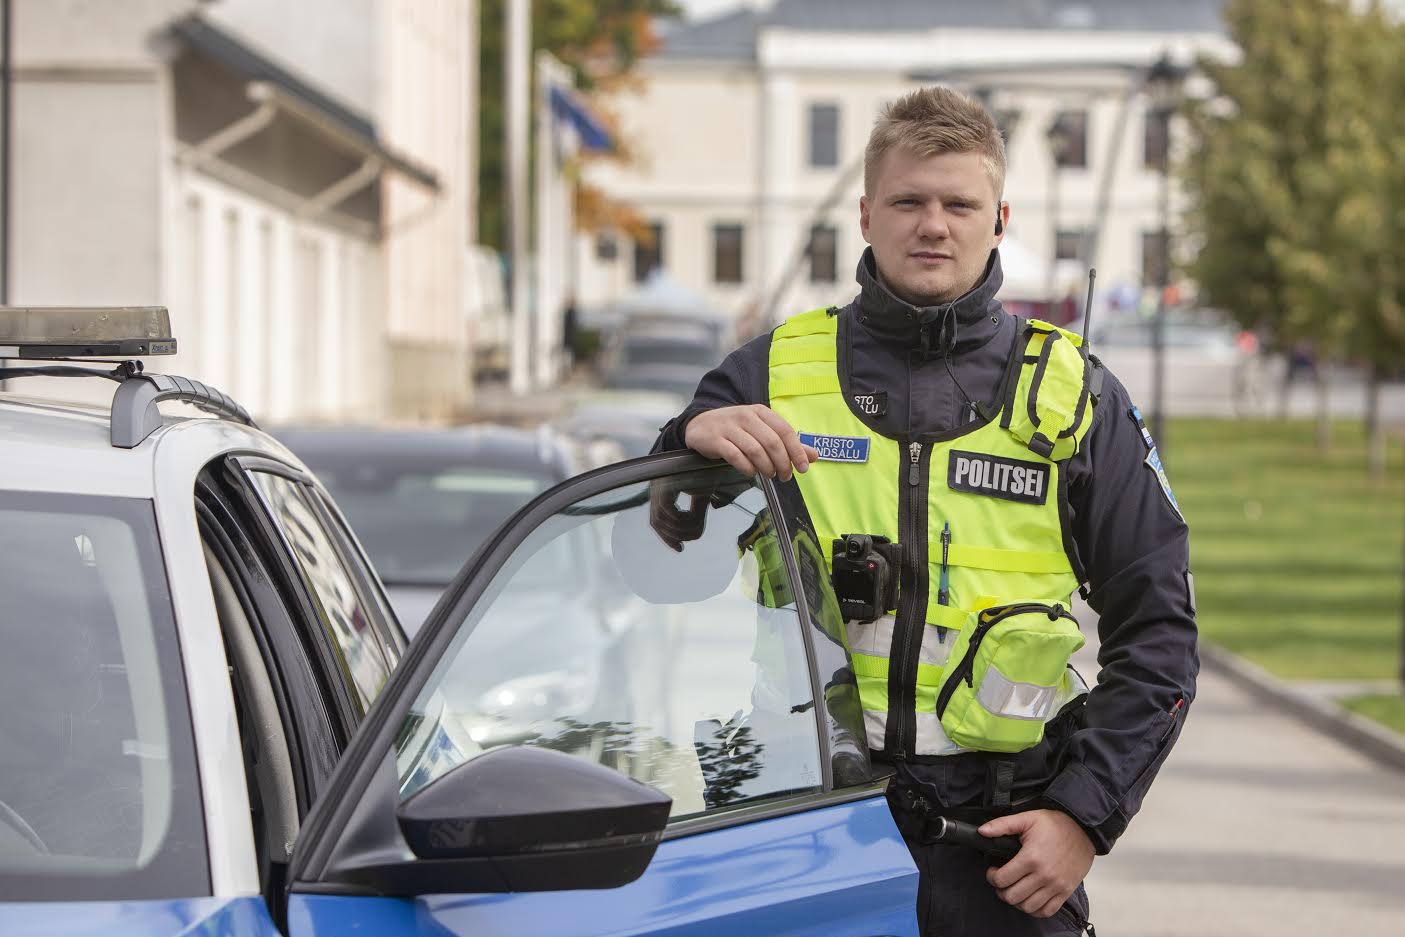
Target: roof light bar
<point>85,331</point>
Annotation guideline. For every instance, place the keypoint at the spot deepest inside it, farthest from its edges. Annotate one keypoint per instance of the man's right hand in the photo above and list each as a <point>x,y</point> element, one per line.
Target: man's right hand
<point>753,439</point>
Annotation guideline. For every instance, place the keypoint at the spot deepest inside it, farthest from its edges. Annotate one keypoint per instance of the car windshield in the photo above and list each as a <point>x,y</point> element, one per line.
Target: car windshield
<point>418,522</point>
<point>98,792</point>
<point>638,350</point>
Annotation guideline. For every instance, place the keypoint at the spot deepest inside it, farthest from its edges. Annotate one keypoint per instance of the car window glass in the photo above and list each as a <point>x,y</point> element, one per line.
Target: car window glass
<point>419,523</point>
<point>97,773</point>
<point>684,668</point>
<point>364,662</point>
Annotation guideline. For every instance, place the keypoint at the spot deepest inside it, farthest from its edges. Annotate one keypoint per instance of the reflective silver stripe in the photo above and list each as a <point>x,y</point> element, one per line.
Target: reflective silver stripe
<point>1015,700</point>
<point>875,639</point>
<point>1070,688</point>
<point>931,737</point>
<point>875,725</point>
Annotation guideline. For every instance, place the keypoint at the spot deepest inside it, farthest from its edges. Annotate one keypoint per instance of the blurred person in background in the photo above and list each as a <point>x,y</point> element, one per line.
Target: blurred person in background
<point>570,329</point>
<point>1006,470</point>
<point>1248,378</point>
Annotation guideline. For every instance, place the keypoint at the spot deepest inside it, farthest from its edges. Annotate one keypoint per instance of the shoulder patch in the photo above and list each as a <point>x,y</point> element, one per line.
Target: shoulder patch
<point>1153,461</point>
<point>838,448</point>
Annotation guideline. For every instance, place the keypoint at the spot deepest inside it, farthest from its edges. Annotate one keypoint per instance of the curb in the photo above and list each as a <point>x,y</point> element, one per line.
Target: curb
<point>1369,738</point>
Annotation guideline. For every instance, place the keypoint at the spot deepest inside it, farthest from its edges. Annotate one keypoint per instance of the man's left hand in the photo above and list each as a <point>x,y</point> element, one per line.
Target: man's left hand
<point>1055,855</point>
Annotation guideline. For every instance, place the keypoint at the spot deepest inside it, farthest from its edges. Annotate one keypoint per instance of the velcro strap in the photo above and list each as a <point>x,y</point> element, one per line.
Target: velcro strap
<point>866,666</point>
<point>948,616</point>
<point>1000,780</point>
<point>801,385</point>
<point>814,322</point>
<point>1007,561</point>
<point>806,349</point>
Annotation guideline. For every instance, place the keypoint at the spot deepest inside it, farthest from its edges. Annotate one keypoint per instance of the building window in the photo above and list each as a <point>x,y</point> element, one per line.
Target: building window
<point>1075,149</point>
<point>1154,140</point>
<point>648,254</point>
<point>727,253</point>
<point>824,243</point>
<point>1067,243</point>
<point>1154,269</point>
<point>824,135</point>
<point>606,247</point>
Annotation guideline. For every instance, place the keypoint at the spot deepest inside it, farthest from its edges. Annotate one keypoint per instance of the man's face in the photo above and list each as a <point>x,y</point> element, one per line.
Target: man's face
<point>931,221</point>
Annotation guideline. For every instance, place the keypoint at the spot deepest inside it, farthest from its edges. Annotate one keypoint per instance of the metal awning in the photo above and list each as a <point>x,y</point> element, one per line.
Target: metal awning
<point>275,92</point>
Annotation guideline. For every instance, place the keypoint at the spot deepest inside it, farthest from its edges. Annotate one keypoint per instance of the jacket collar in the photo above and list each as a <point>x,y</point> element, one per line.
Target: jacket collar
<point>956,328</point>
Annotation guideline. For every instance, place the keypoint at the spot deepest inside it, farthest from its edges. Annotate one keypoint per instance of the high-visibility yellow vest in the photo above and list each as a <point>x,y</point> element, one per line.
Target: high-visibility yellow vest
<point>988,666</point>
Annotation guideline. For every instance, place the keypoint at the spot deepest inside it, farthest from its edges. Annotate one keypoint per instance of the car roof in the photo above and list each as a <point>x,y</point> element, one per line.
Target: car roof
<point>56,445</point>
<point>484,445</point>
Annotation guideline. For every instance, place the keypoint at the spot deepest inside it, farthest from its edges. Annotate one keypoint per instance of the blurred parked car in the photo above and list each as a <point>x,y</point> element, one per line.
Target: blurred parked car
<point>667,353</point>
<point>677,379</point>
<point>1202,361</point>
<point>422,500</point>
<point>629,419</point>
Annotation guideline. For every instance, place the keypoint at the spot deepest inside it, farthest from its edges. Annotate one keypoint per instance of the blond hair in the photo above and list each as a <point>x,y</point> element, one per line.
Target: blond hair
<point>932,121</point>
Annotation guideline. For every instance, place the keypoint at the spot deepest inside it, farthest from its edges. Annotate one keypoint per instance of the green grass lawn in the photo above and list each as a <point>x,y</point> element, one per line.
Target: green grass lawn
<point>1297,556</point>
<point>1387,710</point>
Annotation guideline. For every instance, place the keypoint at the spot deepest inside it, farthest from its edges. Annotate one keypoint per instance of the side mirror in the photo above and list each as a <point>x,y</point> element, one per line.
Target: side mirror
<point>531,819</point>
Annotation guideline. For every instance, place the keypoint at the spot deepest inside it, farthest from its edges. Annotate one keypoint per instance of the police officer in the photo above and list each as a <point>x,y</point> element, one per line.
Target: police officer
<point>1010,469</point>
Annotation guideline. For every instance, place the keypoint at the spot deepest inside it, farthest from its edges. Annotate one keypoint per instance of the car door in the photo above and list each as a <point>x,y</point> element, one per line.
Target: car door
<point>531,768</point>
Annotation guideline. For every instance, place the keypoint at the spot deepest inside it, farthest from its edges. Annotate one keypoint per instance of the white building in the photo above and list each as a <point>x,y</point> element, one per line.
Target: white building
<point>752,126</point>
<point>294,180</point>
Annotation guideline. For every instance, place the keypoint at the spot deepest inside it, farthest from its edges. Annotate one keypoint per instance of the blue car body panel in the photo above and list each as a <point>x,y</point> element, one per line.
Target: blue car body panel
<point>206,917</point>
<point>840,871</point>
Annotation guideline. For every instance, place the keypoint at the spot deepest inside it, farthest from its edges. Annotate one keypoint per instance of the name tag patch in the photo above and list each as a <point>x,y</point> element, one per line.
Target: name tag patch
<point>874,404</point>
<point>838,448</point>
<point>1010,479</point>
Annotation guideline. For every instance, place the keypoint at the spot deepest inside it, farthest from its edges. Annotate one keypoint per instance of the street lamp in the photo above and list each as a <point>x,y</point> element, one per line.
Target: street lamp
<point>1059,137</point>
<point>1163,88</point>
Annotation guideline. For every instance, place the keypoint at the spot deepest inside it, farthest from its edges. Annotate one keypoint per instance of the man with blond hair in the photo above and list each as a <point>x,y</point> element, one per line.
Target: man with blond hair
<point>999,467</point>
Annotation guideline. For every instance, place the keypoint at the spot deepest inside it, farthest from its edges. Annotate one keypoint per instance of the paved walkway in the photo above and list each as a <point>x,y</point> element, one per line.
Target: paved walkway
<point>1257,827</point>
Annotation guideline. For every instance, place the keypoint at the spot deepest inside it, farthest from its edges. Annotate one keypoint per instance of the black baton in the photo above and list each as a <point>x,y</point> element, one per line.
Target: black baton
<point>956,833</point>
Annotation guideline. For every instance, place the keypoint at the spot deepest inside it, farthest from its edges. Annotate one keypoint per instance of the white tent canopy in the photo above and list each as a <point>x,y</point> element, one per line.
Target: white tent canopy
<point>1026,273</point>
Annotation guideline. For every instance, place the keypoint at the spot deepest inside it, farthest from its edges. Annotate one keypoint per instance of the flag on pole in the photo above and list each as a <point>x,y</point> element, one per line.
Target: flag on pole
<point>568,109</point>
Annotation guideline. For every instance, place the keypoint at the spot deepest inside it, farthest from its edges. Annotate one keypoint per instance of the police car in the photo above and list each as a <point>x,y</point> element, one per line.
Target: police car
<point>210,722</point>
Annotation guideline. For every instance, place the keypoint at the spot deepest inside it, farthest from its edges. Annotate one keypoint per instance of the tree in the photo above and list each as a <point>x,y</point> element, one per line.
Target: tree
<point>1369,223</point>
<point>600,41</point>
<point>1275,171</point>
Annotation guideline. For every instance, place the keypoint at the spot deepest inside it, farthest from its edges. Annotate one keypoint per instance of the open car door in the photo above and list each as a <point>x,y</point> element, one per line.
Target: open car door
<point>631,713</point>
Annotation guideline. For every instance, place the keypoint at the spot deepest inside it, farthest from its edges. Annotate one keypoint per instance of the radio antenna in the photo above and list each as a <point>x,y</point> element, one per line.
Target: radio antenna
<point>1088,311</point>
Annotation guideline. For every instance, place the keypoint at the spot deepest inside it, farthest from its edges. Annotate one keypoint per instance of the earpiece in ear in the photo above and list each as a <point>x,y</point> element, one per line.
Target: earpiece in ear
<point>999,222</point>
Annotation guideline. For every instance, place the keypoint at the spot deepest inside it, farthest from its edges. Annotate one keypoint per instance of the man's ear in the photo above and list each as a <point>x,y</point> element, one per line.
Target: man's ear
<point>1003,213</point>
<point>863,217</point>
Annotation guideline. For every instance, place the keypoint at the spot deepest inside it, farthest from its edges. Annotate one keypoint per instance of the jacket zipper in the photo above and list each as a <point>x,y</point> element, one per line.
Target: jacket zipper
<point>965,670</point>
<point>907,629</point>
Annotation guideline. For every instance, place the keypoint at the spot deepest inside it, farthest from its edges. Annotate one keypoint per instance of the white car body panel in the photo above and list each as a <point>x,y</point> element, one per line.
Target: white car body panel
<point>61,447</point>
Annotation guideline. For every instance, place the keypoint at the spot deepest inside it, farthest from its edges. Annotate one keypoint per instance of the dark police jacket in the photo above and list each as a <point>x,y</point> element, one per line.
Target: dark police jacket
<point>932,364</point>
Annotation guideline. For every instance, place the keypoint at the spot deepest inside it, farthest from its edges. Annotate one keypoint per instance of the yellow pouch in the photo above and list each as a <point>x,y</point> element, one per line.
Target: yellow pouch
<point>1003,676</point>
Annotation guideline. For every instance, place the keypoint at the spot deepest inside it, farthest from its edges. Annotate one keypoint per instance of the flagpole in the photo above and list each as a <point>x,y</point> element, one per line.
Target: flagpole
<point>517,44</point>
<point>549,221</point>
